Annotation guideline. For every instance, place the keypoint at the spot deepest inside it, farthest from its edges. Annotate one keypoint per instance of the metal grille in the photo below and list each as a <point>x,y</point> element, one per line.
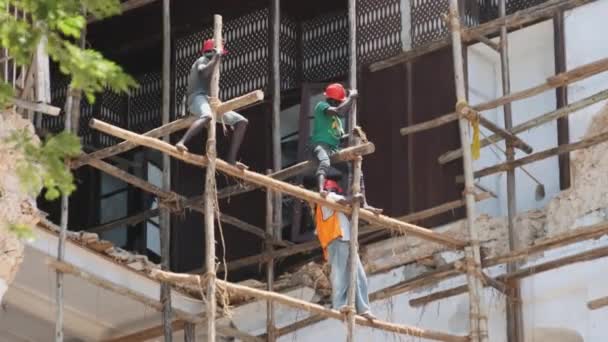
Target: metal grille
<point>288,48</point>
<point>427,22</point>
<point>113,110</point>
<point>378,30</point>
<point>325,47</point>
<point>145,103</point>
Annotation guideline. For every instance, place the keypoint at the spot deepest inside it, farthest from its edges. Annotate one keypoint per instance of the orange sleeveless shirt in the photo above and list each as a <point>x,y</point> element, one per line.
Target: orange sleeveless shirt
<point>327,230</point>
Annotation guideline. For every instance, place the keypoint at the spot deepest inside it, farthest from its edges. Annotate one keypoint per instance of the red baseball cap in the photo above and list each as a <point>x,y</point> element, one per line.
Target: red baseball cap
<point>209,44</point>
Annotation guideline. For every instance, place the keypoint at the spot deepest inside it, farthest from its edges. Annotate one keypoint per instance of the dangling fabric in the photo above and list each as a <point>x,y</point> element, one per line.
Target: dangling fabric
<point>475,144</point>
<point>327,230</point>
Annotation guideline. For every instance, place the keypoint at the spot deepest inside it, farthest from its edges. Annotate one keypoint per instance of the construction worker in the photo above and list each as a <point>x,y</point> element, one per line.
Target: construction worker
<point>199,83</point>
<point>333,231</point>
<point>328,131</point>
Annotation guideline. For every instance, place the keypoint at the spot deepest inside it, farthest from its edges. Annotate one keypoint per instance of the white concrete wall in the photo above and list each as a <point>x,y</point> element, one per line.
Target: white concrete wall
<point>531,61</point>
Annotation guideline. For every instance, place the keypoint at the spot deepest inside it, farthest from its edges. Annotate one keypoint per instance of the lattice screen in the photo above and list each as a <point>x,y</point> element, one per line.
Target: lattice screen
<point>145,103</point>
<point>427,22</point>
<point>325,47</point>
<point>378,30</point>
<point>246,66</point>
<point>488,9</point>
<point>113,109</point>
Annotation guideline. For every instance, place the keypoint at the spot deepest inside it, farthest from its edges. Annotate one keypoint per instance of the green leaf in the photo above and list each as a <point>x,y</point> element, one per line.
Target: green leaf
<point>22,231</point>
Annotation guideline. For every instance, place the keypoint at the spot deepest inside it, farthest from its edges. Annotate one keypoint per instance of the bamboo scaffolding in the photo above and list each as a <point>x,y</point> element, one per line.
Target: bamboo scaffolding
<point>36,106</point>
<point>154,304</point>
<point>276,185</point>
<point>537,121</point>
<point>519,274</point>
<point>365,229</point>
<point>150,333</point>
<point>588,142</point>
<point>477,310</point>
<point>598,303</point>
<point>343,155</point>
<point>177,278</point>
<point>174,199</point>
<point>559,80</point>
<point>516,20</point>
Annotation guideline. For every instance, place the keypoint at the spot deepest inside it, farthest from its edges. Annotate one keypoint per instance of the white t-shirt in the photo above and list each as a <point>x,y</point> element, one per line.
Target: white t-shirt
<point>343,219</point>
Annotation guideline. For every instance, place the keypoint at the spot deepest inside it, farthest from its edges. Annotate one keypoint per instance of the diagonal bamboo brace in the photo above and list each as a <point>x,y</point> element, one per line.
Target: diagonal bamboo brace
<point>239,102</point>
<point>276,185</point>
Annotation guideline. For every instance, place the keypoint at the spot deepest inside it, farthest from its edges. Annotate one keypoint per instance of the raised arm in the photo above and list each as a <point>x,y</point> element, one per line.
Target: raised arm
<point>345,106</point>
<point>207,68</point>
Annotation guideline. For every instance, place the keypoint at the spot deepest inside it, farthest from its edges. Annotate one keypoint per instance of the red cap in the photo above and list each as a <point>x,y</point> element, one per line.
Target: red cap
<point>335,91</point>
<point>332,185</point>
<point>209,44</point>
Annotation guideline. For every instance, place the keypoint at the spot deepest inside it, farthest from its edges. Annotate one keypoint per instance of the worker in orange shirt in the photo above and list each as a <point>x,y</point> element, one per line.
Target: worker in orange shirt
<point>334,232</point>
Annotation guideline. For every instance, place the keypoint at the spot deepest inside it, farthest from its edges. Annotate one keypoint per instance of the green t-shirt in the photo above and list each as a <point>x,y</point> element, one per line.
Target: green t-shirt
<point>327,129</point>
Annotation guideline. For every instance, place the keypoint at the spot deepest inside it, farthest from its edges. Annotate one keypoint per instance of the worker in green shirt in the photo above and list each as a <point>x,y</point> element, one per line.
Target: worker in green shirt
<point>328,131</point>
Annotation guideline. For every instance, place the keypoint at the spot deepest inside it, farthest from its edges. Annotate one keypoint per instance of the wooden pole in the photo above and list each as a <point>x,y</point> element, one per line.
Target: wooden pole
<point>189,332</point>
<point>276,185</point>
<point>552,82</point>
<point>307,306</point>
<point>210,191</point>
<point>477,312</point>
<point>514,310</point>
<point>598,303</point>
<point>356,176</point>
<point>165,213</point>
<point>270,328</point>
<point>519,274</point>
<point>561,97</point>
<point>537,121</point>
<point>277,160</point>
<point>150,333</point>
<point>597,139</point>
<point>515,20</point>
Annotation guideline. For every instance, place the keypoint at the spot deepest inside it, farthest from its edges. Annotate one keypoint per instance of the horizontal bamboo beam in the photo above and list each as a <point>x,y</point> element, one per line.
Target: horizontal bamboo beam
<point>149,333</point>
<point>276,185</point>
<point>36,106</point>
<point>512,138</point>
<point>125,146</point>
<point>240,102</point>
<point>183,279</point>
<point>597,139</point>
<point>598,303</point>
<point>519,274</point>
<point>559,80</point>
<point>521,18</point>
<point>346,154</point>
<point>537,121</point>
<point>172,196</point>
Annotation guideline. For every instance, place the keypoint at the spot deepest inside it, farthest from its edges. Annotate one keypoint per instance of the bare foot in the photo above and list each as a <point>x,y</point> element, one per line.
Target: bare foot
<point>181,147</point>
<point>241,166</point>
<point>368,315</point>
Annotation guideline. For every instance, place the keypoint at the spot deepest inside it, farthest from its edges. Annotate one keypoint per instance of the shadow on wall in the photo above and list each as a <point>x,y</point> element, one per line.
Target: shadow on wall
<point>541,334</point>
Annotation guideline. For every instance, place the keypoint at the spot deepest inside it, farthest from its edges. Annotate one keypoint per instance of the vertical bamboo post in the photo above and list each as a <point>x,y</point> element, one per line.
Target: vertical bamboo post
<point>270,329</point>
<point>165,214</point>
<point>189,332</point>
<point>277,161</point>
<point>513,307</point>
<point>210,191</point>
<point>478,317</point>
<point>356,177</point>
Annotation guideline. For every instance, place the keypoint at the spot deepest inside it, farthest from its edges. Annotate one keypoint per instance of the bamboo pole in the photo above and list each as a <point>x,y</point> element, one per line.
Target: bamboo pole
<point>276,185</point>
<point>559,80</point>
<point>561,149</point>
<point>211,191</point>
<point>519,274</point>
<point>477,310</point>
<point>277,160</point>
<point>190,332</point>
<point>356,176</point>
<point>514,310</point>
<point>598,303</point>
<point>270,328</point>
<point>537,121</point>
<point>307,306</point>
<point>516,20</point>
<point>150,333</point>
<point>165,213</point>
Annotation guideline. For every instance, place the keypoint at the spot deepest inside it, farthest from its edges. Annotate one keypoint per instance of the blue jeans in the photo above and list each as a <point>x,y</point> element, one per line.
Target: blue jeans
<point>338,251</point>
